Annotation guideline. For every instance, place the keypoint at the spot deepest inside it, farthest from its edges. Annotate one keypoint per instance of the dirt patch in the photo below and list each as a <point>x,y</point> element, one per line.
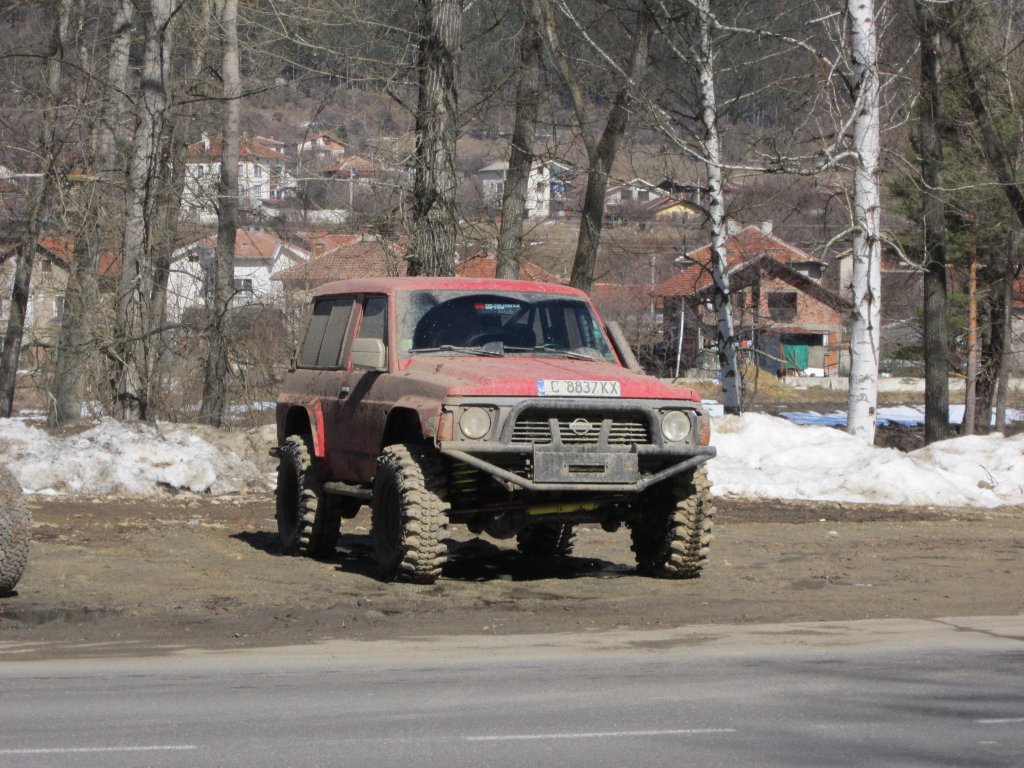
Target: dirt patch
<point>152,576</point>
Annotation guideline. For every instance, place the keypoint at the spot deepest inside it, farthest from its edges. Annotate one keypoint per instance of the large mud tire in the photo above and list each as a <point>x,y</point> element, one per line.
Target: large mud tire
<point>305,522</point>
<point>546,539</point>
<point>671,527</point>
<point>15,533</point>
<point>410,514</point>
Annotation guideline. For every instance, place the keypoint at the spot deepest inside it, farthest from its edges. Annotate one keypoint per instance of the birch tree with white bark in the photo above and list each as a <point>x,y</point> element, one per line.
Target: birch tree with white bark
<point>866,286</point>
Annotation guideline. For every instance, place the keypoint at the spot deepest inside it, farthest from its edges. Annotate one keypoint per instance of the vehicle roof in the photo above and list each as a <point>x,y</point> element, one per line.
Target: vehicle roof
<point>391,285</point>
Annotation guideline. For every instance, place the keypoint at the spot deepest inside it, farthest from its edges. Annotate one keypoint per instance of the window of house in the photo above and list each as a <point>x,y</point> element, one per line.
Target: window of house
<point>58,308</point>
<point>258,171</point>
<point>242,286</point>
<point>782,306</point>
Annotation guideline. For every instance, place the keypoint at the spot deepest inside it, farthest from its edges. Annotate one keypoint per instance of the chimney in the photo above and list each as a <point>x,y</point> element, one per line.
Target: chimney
<point>766,227</point>
<point>206,142</point>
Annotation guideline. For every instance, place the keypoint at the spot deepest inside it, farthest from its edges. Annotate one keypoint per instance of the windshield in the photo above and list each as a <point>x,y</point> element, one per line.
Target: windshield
<point>506,323</point>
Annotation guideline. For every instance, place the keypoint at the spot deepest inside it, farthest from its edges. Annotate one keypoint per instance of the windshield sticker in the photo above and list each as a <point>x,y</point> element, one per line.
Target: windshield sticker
<point>496,309</point>
<point>578,388</point>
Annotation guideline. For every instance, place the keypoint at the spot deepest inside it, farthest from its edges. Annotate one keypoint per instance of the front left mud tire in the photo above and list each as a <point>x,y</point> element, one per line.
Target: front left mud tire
<point>306,524</point>
<point>410,514</point>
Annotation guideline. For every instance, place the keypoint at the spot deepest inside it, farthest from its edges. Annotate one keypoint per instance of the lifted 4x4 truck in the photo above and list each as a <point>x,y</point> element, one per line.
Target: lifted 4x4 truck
<point>505,406</point>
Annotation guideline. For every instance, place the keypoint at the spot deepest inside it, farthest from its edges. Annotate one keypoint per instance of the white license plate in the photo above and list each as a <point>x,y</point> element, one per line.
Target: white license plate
<point>578,388</point>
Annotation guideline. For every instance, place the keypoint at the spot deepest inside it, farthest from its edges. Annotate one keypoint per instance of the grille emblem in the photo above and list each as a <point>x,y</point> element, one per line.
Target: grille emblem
<point>581,427</point>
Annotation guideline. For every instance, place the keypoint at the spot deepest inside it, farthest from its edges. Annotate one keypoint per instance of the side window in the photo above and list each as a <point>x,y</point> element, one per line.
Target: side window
<point>325,334</point>
<point>374,325</point>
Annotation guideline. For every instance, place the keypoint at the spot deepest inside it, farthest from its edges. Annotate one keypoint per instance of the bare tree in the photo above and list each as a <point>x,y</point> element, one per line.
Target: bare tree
<point>132,335</point>
<point>435,222</point>
<point>215,380</point>
<point>867,253</point>
<point>513,204</point>
<point>601,151</point>
<point>95,210</point>
<point>39,200</point>
<point>936,335</point>
<point>1002,164</point>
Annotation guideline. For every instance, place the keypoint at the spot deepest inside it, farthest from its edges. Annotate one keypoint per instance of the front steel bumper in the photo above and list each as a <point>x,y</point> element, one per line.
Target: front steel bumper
<point>602,466</point>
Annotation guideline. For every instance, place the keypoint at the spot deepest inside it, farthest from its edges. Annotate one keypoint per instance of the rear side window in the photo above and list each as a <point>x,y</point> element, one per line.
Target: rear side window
<point>325,334</point>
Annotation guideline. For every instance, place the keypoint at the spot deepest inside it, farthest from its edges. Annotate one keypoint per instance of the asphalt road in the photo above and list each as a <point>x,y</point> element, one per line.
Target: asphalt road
<point>892,693</point>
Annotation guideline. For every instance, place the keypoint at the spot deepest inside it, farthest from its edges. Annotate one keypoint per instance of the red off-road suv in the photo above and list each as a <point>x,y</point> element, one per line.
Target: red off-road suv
<point>502,405</point>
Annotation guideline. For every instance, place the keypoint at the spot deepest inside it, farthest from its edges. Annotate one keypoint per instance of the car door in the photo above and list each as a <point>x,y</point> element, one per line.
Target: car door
<point>362,414</point>
<point>321,365</point>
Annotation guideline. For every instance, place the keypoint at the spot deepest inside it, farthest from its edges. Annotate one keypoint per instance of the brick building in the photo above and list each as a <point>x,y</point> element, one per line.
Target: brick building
<point>783,317</point>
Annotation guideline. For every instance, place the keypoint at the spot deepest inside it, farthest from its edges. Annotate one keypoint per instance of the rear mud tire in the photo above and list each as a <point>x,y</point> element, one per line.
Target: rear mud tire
<point>410,514</point>
<point>671,527</point>
<point>546,539</point>
<point>306,524</point>
<point>15,533</point>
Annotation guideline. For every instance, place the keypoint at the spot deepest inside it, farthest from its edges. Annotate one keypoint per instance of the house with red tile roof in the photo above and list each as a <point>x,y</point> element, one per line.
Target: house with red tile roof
<point>484,264</point>
<point>48,287</point>
<point>264,173</point>
<point>259,256</point>
<point>368,256</point>
<point>783,317</point>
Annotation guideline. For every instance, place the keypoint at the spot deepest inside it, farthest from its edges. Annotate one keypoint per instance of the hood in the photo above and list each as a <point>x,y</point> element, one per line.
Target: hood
<point>469,376</point>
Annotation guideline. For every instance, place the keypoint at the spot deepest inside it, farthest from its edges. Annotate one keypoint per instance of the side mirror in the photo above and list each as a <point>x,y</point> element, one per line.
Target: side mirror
<point>622,348</point>
<point>369,355</point>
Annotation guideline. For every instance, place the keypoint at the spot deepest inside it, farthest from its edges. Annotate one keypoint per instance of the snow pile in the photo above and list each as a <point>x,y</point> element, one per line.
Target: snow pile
<point>759,457</point>
<point>767,457</point>
<point>132,460</point>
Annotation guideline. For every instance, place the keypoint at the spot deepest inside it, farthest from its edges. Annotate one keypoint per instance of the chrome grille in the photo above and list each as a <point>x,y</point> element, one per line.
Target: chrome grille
<point>623,430</point>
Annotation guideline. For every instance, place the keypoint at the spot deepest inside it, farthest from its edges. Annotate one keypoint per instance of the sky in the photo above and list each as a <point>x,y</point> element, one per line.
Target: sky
<point>793,456</point>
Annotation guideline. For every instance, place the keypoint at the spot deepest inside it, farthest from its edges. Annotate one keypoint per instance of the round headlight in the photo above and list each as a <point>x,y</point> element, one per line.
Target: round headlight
<point>675,426</point>
<point>475,423</point>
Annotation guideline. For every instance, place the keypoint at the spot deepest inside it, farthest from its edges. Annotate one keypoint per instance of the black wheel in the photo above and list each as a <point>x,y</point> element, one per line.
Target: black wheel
<point>671,527</point>
<point>409,514</point>
<point>305,523</point>
<point>15,532</point>
<point>546,539</point>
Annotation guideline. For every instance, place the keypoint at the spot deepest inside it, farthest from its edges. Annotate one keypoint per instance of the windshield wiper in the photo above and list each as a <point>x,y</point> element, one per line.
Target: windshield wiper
<point>562,351</point>
<point>491,349</point>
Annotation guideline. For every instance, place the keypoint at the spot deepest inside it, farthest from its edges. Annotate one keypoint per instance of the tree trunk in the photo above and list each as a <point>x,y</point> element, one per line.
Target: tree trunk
<point>78,339</point>
<point>602,155</point>
<point>513,204</point>
<point>716,215</point>
<point>1006,321</point>
<point>867,273</point>
<point>435,222</point>
<point>130,377</point>
<point>215,379</point>
<point>936,332</point>
<point>36,208</point>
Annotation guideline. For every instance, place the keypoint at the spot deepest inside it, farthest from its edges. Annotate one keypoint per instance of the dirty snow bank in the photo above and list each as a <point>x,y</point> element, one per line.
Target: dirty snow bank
<point>763,456</point>
<point>134,460</point>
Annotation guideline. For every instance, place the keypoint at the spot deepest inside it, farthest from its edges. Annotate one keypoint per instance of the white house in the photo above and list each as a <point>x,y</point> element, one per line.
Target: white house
<point>320,144</point>
<point>258,257</point>
<point>538,193</point>
<point>264,173</point>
